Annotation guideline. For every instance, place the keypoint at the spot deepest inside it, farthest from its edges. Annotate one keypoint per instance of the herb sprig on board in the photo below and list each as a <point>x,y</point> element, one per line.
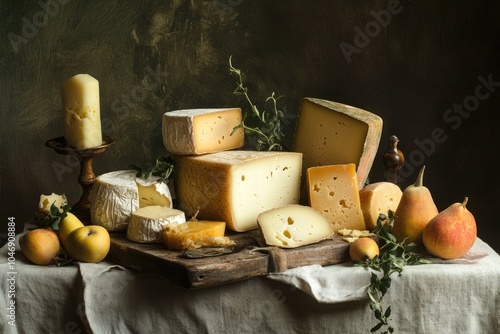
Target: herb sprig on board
<point>394,256</point>
<point>162,168</point>
<point>269,133</point>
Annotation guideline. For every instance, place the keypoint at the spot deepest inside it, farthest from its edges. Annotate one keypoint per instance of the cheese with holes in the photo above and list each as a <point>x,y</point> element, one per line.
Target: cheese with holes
<point>377,198</point>
<point>115,196</point>
<point>146,224</point>
<point>235,186</point>
<point>82,111</point>
<point>152,192</point>
<point>195,234</point>
<point>200,131</point>
<point>293,226</point>
<point>330,133</point>
<point>333,191</point>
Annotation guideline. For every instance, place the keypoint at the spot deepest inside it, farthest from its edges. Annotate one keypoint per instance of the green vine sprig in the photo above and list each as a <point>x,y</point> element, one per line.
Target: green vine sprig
<point>394,256</point>
<point>52,217</point>
<point>162,168</point>
<point>269,135</point>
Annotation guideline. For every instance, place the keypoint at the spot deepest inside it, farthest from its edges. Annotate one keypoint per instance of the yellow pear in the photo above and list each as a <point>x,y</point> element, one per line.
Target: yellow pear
<point>67,225</point>
<point>416,208</point>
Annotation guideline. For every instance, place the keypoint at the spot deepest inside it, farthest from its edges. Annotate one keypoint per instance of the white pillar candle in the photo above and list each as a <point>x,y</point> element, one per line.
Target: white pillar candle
<point>82,115</point>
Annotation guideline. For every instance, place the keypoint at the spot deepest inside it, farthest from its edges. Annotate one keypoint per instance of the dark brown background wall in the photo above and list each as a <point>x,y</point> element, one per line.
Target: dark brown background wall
<point>415,67</point>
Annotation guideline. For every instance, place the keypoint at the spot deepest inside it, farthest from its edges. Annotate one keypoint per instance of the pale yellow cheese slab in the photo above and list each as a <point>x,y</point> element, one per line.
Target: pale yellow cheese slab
<point>201,131</point>
<point>330,133</point>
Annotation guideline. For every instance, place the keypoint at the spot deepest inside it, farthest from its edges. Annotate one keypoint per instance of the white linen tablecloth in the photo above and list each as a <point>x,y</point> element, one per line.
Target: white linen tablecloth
<point>107,298</point>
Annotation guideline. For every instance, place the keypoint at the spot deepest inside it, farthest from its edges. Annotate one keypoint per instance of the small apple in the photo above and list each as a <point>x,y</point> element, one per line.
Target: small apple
<point>68,225</point>
<point>88,243</point>
<point>40,246</point>
<point>451,233</point>
<point>363,248</point>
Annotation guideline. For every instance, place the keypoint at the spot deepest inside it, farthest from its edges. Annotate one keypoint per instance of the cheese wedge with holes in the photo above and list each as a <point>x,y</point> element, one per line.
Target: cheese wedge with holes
<point>377,198</point>
<point>235,186</point>
<point>330,133</point>
<point>293,226</point>
<point>333,191</point>
<point>115,195</point>
<point>200,131</point>
<point>195,234</point>
<point>146,224</point>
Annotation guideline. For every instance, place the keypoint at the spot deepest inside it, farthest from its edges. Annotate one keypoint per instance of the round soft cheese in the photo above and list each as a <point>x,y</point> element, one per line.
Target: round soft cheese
<point>147,223</point>
<point>115,195</point>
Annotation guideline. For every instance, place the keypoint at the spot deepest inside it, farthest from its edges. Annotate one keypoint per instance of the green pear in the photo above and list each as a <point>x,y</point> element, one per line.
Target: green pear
<point>416,208</point>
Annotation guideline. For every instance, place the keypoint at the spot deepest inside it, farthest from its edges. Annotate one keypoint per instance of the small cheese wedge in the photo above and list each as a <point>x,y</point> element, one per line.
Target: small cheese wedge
<point>235,186</point>
<point>147,224</point>
<point>333,191</point>
<point>185,236</point>
<point>46,202</point>
<point>152,192</point>
<point>200,131</point>
<point>377,198</point>
<point>293,226</point>
<point>331,133</point>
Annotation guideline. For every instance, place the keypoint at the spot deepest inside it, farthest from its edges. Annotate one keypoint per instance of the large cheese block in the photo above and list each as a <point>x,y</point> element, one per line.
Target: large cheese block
<point>333,191</point>
<point>82,111</point>
<point>235,186</point>
<point>195,234</point>
<point>200,131</point>
<point>293,226</point>
<point>378,198</point>
<point>147,223</point>
<point>330,133</point>
<point>115,196</point>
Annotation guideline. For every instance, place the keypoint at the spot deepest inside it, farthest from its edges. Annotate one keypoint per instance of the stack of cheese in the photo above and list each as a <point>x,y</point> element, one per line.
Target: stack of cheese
<point>218,182</point>
<point>122,201</point>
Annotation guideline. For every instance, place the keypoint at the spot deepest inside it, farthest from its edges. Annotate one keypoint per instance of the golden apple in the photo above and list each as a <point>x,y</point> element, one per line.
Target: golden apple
<point>363,248</point>
<point>451,233</point>
<point>68,225</point>
<point>88,243</point>
<point>40,246</point>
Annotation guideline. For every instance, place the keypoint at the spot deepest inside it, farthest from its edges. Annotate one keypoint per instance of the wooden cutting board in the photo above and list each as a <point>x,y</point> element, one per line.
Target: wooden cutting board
<point>248,259</point>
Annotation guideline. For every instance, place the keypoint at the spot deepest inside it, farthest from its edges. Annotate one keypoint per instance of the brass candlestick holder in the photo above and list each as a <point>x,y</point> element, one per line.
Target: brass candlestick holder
<point>87,177</point>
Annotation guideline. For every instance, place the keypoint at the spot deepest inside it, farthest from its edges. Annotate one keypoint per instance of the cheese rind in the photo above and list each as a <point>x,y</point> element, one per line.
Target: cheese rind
<point>147,223</point>
<point>200,131</point>
<point>377,198</point>
<point>293,226</point>
<point>235,186</point>
<point>115,195</point>
<point>186,236</point>
<point>330,133</point>
<point>333,191</point>
<point>82,111</point>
